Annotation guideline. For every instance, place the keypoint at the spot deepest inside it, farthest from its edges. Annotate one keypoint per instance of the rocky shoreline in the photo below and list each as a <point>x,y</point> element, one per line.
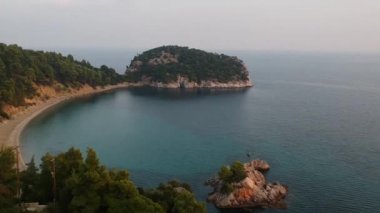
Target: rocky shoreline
<point>185,83</point>
<point>253,191</point>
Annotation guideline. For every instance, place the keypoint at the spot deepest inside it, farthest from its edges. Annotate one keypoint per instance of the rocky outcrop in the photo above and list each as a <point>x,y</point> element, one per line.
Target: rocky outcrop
<point>165,58</point>
<point>259,165</point>
<point>253,191</point>
<point>184,82</point>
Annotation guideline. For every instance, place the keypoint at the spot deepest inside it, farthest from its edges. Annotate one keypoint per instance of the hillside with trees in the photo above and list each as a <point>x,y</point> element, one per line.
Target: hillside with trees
<point>165,64</point>
<point>70,182</point>
<point>22,70</point>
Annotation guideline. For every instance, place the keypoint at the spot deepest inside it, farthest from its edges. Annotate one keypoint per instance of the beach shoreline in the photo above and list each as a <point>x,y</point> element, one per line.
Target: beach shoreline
<point>11,130</point>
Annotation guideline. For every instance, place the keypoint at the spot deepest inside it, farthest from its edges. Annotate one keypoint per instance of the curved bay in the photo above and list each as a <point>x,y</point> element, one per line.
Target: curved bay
<point>317,128</point>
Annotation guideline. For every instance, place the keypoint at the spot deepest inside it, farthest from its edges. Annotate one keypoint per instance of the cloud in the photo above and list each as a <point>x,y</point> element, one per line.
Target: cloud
<point>306,25</point>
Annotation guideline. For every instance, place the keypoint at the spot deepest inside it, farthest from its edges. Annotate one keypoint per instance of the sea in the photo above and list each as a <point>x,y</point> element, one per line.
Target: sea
<point>314,117</point>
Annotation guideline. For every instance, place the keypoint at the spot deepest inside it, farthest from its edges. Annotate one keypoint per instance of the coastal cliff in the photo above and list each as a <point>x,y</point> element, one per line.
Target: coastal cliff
<point>182,67</point>
<point>250,190</point>
<point>185,82</point>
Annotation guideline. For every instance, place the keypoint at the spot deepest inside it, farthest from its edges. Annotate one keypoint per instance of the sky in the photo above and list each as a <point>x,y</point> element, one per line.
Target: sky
<point>269,25</point>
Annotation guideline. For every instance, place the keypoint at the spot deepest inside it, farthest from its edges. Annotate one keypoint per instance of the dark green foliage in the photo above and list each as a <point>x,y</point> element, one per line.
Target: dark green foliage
<point>7,180</point>
<point>226,188</point>
<point>232,174</point>
<point>195,64</point>
<point>84,185</point>
<point>30,180</point>
<point>238,171</point>
<point>20,69</point>
<point>225,174</point>
<point>175,197</point>
<point>66,164</point>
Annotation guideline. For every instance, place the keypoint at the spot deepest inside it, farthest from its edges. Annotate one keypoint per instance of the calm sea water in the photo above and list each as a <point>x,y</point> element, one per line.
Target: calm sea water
<point>314,118</point>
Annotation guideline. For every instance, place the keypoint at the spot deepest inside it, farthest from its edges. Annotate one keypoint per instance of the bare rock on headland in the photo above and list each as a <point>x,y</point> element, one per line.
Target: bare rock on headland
<point>252,191</point>
<point>260,165</point>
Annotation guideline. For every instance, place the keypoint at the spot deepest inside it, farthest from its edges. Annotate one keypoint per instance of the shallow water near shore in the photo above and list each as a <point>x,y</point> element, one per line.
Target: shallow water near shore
<point>315,119</point>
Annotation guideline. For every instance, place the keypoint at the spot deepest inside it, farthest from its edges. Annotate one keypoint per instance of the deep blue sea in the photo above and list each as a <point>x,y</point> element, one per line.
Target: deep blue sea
<point>314,117</point>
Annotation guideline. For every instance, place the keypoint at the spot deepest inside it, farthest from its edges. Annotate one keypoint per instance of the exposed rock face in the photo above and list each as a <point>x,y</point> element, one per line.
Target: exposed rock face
<point>184,82</point>
<point>260,165</point>
<point>253,191</point>
<point>135,65</point>
<point>165,58</point>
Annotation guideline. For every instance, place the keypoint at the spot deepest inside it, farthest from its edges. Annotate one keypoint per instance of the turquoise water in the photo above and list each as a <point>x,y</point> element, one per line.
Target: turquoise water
<point>314,118</point>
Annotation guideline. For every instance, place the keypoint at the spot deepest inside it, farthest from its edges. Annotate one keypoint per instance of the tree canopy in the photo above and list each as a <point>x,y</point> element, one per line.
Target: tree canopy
<point>7,180</point>
<point>231,174</point>
<point>84,185</point>
<point>21,69</point>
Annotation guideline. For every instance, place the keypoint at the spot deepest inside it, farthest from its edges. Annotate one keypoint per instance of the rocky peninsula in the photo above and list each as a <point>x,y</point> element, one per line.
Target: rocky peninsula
<point>182,67</point>
<point>244,186</point>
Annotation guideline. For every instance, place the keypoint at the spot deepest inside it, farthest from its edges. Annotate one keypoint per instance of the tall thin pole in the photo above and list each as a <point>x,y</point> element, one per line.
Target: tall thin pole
<point>18,183</point>
<point>18,173</point>
<point>249,155</point>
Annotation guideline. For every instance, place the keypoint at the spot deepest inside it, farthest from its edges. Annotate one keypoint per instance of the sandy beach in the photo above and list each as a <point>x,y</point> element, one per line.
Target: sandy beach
<point>11,130</point>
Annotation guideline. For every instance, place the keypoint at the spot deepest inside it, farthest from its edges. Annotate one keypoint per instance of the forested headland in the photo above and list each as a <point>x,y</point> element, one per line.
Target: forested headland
<point>165,64</point>
<point>22,70</point>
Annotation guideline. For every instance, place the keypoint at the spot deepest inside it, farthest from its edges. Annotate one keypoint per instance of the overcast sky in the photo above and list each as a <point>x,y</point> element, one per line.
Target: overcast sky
<point>296,25</point>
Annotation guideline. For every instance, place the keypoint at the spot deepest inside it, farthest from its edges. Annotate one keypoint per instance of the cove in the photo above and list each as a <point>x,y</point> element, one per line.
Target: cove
<point>318,131</point>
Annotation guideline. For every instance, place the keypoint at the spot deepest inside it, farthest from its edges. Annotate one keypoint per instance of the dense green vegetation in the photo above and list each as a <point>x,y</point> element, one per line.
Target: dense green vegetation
<point>7,181</point>
<point>175,197</point>
<point>195,64</point>
<point>231,174</point>
<point>84,185</point>
<point>21,69</point>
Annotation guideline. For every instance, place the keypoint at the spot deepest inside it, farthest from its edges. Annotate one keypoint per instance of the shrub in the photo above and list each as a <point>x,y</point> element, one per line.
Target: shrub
<point>226,188</point>
<point>233,173</point>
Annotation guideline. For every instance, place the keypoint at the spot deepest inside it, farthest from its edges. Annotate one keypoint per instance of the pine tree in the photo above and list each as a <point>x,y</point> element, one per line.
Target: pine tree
<point>30,180</point>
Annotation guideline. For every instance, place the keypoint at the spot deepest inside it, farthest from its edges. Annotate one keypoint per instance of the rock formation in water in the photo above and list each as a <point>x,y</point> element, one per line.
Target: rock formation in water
<point>182,67</point>
<point>252,191</point>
